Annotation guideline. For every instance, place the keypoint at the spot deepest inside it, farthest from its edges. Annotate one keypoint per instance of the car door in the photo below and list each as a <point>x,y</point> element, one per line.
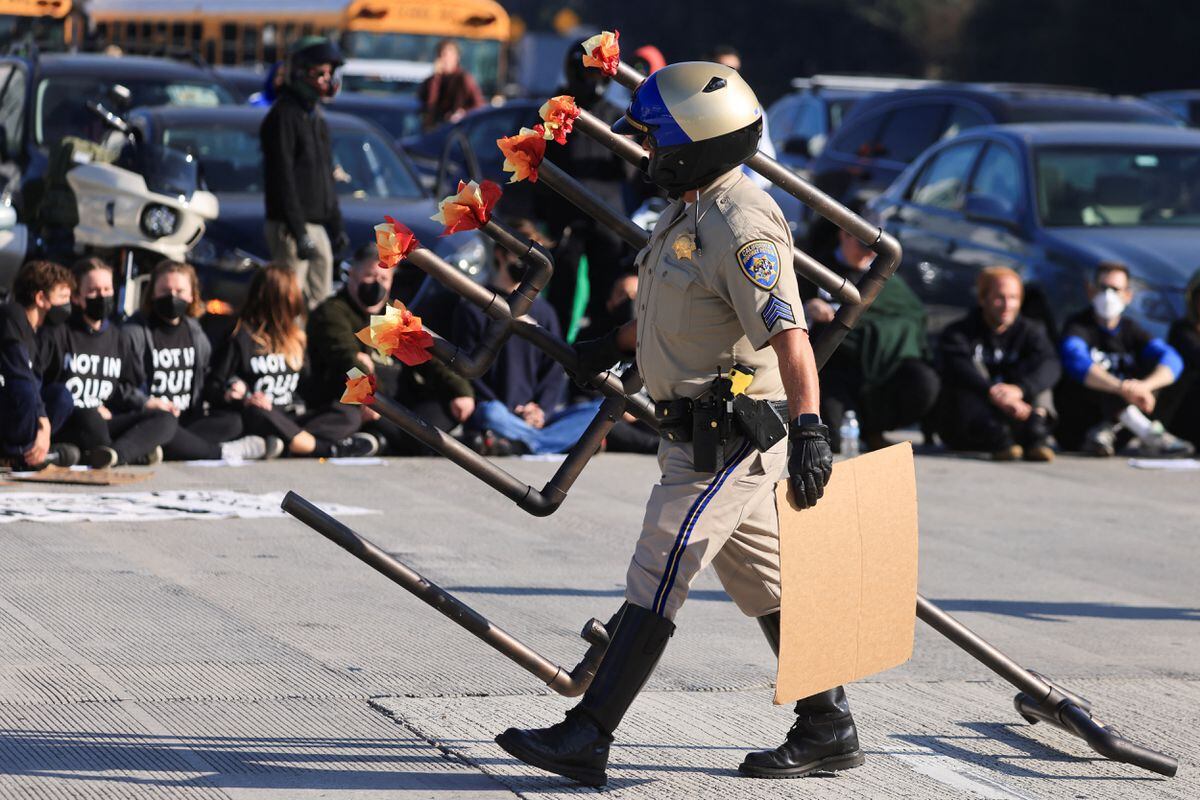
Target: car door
<point>929,224</point>
<point>998,188</point>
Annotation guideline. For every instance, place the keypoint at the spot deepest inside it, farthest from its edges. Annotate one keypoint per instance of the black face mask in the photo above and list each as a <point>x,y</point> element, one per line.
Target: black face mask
<point>57,315</point>
<point>370,294</point>
<point>99,308</point>
<point>169,307</point>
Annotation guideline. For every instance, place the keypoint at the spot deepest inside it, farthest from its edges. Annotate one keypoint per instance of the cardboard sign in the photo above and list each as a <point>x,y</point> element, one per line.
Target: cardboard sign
<point>849,575</point>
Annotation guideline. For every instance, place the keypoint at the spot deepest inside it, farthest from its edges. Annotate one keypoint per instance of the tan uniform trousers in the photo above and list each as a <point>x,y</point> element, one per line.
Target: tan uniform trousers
<point>696,518</point>
<point>315,275</point>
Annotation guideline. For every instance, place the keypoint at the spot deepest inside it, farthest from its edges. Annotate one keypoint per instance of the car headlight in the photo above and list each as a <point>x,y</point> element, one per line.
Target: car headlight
<point>159,221</point>
<point>1158,303</point>
<point>470,256</point>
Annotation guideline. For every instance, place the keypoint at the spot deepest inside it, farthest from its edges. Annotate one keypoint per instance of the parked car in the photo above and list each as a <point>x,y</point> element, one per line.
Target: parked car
<point>467,150</point>
<point>884,133</point>
<point>398,115</point>
<point>1051,201</point>
<point>1184,104</point>
<point>244,81</point>
<point>377,180</point>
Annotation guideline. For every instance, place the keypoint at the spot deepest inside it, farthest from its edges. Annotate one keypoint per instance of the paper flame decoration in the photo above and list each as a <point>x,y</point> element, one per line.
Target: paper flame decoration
<point>398,332</point>
<point>468,210</point>
<point>523,153</point>
<point>395,242</point>
<point>603,52</point>
<point>360,388</point>
<point>559,115</point>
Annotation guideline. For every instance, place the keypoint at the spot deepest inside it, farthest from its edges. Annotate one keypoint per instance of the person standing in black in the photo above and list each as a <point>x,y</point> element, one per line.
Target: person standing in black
<point>304,224</point>
<point>89,356</point>
<point>998,368</point>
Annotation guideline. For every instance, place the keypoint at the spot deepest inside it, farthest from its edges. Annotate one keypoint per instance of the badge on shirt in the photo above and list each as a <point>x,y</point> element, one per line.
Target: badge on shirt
<point>759,261</point>
<point>684,246</point>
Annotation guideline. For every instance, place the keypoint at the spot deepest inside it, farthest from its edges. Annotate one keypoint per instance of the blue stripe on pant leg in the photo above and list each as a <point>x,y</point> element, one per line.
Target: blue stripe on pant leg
<point>685,530</point>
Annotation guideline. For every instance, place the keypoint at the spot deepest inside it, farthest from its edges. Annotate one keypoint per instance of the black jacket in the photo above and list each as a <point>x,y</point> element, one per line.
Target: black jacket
<point>95,365</point>
<point>973,357</point>
<point>298,165</point>
<point>19,357</point>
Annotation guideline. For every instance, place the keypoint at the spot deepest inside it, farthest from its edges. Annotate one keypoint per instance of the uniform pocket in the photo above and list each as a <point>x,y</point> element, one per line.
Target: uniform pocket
<point>672,300</point>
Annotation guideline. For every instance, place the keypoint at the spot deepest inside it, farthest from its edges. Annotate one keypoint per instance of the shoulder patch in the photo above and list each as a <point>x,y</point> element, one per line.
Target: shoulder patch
<point>776,310</point>
<point>759,261</point>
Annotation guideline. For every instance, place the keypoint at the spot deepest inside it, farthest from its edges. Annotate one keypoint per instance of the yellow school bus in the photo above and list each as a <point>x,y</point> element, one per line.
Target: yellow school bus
<point>260,31</point>
<point>49,23</point>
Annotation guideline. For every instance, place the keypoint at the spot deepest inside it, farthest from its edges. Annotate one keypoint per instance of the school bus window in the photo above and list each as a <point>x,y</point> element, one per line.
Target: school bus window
<point>130,32</point>
<point>229,43</point>
<point>307,29</point>
<point>250,43</point>
<point>210,51</point>
<point>179,34</point>
<point>102,31</point>
<point>197,31</point>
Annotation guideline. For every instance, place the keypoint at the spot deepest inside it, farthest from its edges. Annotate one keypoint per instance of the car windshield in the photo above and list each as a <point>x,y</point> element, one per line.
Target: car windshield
<point>61,109</point>
<point>365,166</point>
<point>1118,186</point>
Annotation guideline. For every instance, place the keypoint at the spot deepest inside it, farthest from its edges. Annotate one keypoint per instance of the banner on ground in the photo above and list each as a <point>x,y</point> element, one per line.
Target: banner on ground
<point>149,506</point>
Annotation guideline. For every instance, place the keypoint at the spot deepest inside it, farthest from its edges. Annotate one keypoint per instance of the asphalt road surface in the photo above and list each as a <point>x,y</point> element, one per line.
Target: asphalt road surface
<point>251,658</point>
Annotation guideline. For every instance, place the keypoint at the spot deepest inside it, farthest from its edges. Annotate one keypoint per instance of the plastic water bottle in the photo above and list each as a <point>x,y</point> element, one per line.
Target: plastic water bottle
<point>849,435</point>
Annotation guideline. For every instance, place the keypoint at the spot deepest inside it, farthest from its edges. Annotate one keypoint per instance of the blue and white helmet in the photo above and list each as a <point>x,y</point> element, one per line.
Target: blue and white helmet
<point>702,120</point>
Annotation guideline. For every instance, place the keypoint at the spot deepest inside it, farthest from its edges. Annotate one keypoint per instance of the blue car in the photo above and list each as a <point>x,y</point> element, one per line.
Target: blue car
<point>1051,201</point>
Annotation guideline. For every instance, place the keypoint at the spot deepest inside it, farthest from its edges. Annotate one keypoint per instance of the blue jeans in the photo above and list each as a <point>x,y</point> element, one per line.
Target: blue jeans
<point>560,432</point>
<point>17,404</point>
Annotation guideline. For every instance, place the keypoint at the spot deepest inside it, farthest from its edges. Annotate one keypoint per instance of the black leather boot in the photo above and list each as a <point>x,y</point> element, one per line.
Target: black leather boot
<point>823,738</point>
<point>577,747</point>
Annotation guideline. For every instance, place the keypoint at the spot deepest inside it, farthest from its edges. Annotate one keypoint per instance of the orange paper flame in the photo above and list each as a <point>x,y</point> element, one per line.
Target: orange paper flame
<point>523,154</point>
<point>360,388</point>
<point>468,210</point>
<point>603,52</point>
<point>395,242</point>
<point>559,114</point>
<point>398,332</point>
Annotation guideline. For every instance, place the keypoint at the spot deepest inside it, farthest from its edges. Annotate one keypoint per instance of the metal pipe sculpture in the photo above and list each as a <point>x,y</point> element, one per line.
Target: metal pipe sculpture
<point>1039,699</point>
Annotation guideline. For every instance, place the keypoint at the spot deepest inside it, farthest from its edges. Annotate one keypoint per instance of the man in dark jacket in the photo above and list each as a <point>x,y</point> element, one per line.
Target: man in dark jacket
<point>880,369</point>
<point>304,223</point>
<point>31,410</point>
<point>432,390</point>
<point>998,368</point>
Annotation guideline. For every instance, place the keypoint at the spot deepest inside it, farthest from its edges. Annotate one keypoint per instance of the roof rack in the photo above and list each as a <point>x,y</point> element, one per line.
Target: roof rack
<point>861,83</point>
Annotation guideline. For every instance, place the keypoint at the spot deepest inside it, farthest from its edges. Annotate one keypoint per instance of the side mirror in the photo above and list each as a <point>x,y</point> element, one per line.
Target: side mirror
<point>990,210</point>
<point>110,119</point>
<point>797,146</point>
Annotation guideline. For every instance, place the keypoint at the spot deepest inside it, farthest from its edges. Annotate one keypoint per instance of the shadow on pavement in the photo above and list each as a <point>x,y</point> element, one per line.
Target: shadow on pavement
<point>1056,612</point>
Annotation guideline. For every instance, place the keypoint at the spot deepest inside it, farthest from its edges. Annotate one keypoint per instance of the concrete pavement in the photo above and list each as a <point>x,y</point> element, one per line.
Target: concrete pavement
<point>251,658</point>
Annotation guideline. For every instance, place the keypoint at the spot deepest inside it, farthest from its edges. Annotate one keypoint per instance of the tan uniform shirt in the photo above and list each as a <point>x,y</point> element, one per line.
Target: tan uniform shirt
<point>715,283</point>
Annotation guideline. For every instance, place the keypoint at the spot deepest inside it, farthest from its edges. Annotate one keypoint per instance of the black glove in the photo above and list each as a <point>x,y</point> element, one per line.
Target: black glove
<point>597,355</point>
<point>341,241</point>
<point>305,248</point>
<point>810,462</point>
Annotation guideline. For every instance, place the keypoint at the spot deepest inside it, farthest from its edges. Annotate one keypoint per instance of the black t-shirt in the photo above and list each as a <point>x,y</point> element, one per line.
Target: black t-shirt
<point>93,364</point>
<point>268,373</point>
<point>1121,351</point>
<point>173,360</point>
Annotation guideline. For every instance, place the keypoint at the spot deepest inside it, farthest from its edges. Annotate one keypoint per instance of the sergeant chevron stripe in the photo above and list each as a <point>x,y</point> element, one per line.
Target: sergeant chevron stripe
<point>776,310</point>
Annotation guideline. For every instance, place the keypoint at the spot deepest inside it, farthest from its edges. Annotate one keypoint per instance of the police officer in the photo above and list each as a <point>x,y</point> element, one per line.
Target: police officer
<point>716,290</point>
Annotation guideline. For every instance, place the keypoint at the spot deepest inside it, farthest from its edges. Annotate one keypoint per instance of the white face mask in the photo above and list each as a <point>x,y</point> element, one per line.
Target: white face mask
<point>1108,304</point>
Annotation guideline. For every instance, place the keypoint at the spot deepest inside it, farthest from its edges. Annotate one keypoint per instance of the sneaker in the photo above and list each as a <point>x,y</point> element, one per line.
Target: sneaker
<point>1012,452</point>
<point>274,447</point>
<point>500,446</point>
<point>356,445</point>
<point>1039,450</point>
<point>1160,444</point>
<point>247,448</point>
<point>151,459</point>
<point>1101,441</point>
<point>101,457</point>
<point>61,455</point>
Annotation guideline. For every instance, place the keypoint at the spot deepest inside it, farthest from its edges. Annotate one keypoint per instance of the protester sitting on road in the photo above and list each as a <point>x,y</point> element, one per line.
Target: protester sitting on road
<point>450,91</point>
<point>303,220</point>
<point>170,357</point>
<point>1184,336</point>
<point>998,370</point>
<point>522,399</point>
<point>33,411</point>
<point>881,368</point>
<point>261,372</point>
<point>87,353</point>
<point>432,390</point>
<point>1114,371</point>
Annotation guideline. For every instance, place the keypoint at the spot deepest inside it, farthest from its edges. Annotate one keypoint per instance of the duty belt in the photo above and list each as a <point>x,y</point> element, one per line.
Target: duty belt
<point>675,418</point>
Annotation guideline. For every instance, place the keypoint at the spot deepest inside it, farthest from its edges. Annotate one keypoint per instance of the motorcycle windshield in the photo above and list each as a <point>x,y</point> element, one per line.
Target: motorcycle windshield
<point>166,171</point>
